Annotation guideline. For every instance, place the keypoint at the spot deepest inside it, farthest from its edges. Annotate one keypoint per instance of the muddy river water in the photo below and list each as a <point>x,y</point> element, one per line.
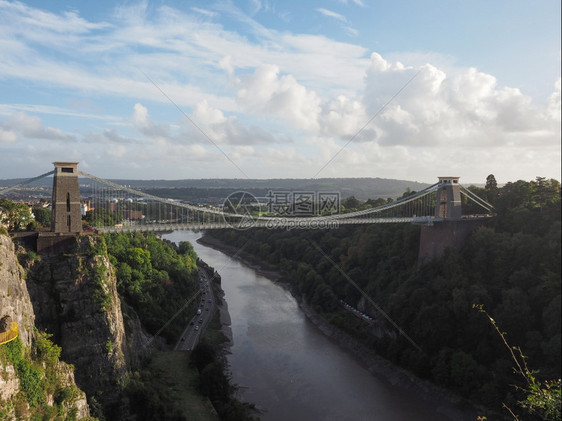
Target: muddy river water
<point>290,370</point>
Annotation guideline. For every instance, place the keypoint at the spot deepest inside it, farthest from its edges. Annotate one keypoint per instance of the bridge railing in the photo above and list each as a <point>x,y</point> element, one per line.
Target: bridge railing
<point>9,335</point>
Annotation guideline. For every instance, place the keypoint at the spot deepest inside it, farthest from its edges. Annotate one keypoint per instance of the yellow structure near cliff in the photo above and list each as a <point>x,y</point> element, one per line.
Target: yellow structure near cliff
<point>9,335</point>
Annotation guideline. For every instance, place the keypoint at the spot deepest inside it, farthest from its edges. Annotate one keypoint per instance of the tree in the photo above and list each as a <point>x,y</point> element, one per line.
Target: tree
<point>15,216</point>
<point>100,218</point>
<point>351,203</point>
<point>491,188</point>
<point>42,216</point>
<point>491,183</point>
<point>544,191</point>
<point>376,202</point>
<point>542,398</point>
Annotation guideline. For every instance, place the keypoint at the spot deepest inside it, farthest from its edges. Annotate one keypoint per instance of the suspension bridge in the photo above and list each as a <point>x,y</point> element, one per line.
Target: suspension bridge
<point>110,207</point>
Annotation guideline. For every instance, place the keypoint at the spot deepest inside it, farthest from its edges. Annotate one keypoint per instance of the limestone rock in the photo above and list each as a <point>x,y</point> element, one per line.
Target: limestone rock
<point>9,383</point>
<point>14,297</point>
<point>5,323</point>
<point>75,298</point>
<point>16,305</point>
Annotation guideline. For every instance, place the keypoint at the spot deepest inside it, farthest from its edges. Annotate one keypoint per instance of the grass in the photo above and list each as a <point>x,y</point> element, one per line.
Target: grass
<point>175,375</point>
<point>213,333</point>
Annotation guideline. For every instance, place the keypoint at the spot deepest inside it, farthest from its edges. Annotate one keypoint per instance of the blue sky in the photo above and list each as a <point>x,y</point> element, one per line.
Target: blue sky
<point>282,89</point>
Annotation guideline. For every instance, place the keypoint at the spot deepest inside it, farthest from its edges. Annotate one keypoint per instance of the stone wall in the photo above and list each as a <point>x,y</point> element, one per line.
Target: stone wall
<point>434,239</point>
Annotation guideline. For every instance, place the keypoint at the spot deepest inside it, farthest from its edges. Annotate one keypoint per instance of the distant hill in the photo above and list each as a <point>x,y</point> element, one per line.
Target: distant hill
<point>361,188</point>
<point>191,189</point>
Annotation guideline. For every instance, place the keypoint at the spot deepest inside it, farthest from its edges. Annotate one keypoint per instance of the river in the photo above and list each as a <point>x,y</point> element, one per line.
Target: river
<point>290,370</point>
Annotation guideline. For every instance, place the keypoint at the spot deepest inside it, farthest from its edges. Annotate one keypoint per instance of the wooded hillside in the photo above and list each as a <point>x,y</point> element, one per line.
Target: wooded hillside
<point>512,267</point>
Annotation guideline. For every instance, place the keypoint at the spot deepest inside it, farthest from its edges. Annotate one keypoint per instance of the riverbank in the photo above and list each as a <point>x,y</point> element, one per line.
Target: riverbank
<point>263,268</point>
<point>222,306</point>
<point>376,365</point>
<point>219,336</point>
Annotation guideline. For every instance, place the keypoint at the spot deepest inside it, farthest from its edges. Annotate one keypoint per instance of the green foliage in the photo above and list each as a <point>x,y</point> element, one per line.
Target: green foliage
<point>528,207</point>
<point>155,277</point>
<point>101,218</point>
<point>42,216</point>
<point>203,355</point>
<point>491,189</point>
<point>46,350</point>
<point>15,216</point>
<point>38,372</point>
<point>30,382</point>
<point>215,383</point>
<point>28,372</point>
<point>150,402</point>
<point>542,398</point>
<point>351,203</point>
<point>98,247</point>
<point>512,266</point>
<point>27,257</point>
<point>100,294</point>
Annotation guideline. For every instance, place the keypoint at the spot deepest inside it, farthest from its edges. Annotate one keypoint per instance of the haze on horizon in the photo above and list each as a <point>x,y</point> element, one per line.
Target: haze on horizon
<point>257,89</point>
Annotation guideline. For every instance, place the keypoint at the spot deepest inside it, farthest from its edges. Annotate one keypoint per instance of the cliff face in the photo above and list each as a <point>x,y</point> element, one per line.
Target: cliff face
<point>14,297</point>
<point>75,297</point>
<point>14,366</point>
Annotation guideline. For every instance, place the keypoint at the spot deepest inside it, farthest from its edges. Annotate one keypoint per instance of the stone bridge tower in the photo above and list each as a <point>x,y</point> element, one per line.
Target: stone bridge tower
<point>448,200</point>
<point>450,229</point>
<point>66,215</point>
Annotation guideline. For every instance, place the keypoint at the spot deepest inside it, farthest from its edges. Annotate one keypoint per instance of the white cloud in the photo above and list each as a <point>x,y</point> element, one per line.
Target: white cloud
<point>226,64</point>
<point>205,12</point>
<point>553,104</point>
<point>341,18</point>
<point>7,136</point>
<point>259,93</point>
<point>116,151</point>
<point>145,125</point>
<point>463,110</point>
<point>344,118</point>
<point>31,127</point>
<point>269,92</point>
<point>357,2</point>
<point>209,125</point>
<point>332,14</point>
<point>9,109</point>
<point>108,136</point>
<point>24,17</point>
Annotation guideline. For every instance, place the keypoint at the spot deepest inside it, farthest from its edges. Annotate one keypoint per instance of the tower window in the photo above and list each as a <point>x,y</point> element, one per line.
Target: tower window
<point>68,202</point>
<point>67,169</point>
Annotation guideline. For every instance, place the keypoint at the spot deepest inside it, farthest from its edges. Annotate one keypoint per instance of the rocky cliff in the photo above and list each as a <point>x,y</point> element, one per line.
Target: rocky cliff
<point>33,382</point>
<point>14,297</point>
<point>75,297</point>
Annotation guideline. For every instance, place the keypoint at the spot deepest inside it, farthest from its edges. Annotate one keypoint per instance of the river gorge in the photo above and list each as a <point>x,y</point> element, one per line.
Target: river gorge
<point>289,369</point>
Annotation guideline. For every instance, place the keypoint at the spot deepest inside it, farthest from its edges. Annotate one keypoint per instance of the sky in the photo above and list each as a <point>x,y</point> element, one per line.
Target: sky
<point>403,89</point>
